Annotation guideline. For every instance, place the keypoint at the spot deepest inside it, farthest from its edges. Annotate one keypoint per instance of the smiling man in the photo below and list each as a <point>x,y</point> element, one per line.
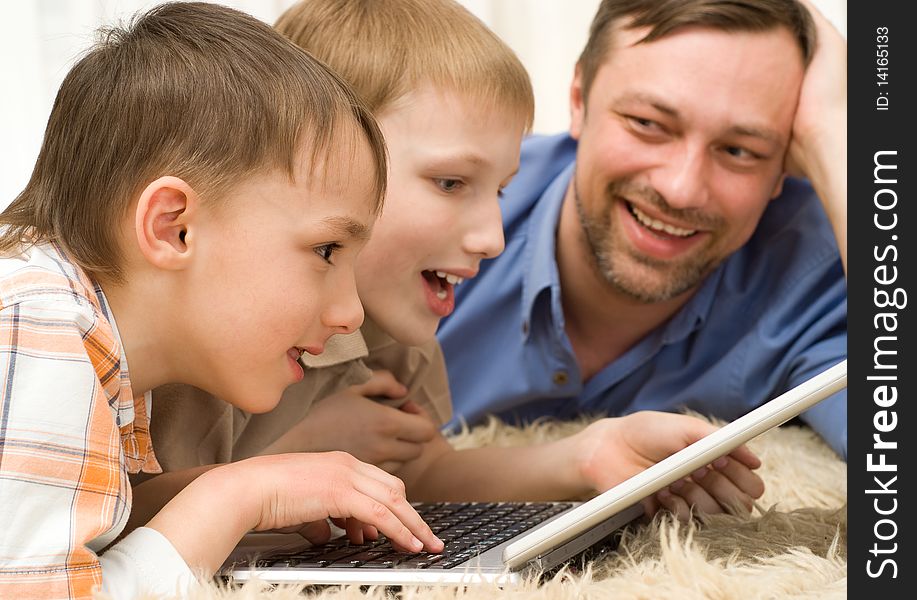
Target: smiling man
<point>659,257</point>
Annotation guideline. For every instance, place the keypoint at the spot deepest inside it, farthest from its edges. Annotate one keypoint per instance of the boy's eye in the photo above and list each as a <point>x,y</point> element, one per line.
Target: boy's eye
<point>448,185</point>
<point>326,251</point>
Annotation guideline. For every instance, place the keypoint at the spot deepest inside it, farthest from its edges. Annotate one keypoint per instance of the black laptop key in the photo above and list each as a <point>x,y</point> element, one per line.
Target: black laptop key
<point>380,563</point>
<point>420,561</point>
<point>455,546</point>
<point>310,564</point>
<point>336,555</point>
<point>356,560</point>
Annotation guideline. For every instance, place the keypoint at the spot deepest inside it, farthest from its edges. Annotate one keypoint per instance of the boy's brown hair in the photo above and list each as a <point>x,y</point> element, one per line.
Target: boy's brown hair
<point>663,17</point>
<point>195,90</point>
<point>386,48</point>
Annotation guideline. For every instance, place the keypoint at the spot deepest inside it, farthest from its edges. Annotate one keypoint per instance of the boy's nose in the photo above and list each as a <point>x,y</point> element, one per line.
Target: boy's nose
<point>344,314</point>
<point>484,235</point>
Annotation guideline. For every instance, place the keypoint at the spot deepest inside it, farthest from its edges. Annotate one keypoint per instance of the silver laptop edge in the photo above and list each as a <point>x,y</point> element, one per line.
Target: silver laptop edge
<point>719,443</point>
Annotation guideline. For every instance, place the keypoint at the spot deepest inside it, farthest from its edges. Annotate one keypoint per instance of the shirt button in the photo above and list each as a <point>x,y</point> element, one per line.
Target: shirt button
<point>561,377</point>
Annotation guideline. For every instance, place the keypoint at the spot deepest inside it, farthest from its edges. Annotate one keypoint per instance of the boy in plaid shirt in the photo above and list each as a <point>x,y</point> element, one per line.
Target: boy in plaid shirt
<point>201,193</point>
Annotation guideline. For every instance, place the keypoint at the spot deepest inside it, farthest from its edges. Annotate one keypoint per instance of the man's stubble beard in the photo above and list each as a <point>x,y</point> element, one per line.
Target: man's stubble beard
<point>606,256</point>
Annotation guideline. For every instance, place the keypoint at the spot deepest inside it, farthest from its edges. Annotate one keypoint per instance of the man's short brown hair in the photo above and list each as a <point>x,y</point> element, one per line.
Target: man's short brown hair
<point>387,48</point>
<point>663,17</point>
<point>194,90</point>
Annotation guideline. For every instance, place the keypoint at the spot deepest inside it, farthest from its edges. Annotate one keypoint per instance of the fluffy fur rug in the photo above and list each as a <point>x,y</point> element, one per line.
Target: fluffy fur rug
<point>793,546</point>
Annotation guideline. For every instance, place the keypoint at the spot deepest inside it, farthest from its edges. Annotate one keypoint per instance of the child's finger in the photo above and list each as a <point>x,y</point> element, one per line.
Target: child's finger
<point>416,428</point>
<point>386,508</point>
<point>381,383</point>
<point>354,529</point>
<point>372,472</point>
<point>413,408</point>
<point>317,532</point>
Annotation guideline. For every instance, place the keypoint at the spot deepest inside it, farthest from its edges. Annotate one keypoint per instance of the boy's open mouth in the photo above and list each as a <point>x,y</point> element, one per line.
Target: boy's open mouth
<point>440,282</point>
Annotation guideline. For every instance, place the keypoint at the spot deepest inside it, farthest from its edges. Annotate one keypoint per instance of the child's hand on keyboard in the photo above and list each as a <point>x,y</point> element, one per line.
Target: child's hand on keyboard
<point>299,491</point>
<point>287,491</point>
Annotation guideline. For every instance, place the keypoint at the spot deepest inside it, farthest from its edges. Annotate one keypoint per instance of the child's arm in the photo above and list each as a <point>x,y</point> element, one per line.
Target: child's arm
<point>153,494</point>
<point>599,457</point>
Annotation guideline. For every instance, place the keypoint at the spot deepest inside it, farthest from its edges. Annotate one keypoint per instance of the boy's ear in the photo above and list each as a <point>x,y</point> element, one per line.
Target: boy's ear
<point>577,103</point>
<point>163,222</point>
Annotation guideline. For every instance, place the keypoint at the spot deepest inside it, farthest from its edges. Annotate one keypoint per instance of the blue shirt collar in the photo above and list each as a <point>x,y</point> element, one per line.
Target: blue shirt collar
<point>540,269</point>
<point>540,262</point>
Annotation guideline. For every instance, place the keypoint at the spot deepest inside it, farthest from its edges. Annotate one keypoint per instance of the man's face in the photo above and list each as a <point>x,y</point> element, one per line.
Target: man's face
<point>274,275</point>
<point>449,158</point>
<point>681,146</point>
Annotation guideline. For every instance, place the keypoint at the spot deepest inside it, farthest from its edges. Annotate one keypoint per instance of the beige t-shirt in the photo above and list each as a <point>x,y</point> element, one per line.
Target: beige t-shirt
<point>190,427</point>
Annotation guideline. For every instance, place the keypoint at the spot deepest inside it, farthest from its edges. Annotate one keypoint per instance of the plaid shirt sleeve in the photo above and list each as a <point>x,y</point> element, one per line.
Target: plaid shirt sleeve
<point>69,433</point>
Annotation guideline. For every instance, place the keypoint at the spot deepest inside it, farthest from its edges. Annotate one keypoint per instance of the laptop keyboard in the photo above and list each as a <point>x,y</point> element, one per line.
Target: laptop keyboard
<point>467,529</point>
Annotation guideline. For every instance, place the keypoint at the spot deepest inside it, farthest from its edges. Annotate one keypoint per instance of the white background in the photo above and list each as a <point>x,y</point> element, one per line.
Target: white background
<point>41,39</point>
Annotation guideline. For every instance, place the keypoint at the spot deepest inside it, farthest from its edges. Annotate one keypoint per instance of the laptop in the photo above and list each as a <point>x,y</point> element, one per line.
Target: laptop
<point>502,542</point>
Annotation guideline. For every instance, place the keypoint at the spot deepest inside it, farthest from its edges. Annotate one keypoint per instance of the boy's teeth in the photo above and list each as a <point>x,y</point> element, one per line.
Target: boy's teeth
<point>659,225</point>
<point>453,279</point>
<point>441,294</point>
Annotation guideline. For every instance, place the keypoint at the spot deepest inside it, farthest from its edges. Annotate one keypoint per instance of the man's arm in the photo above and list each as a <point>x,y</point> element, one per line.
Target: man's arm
<point>599,457</point>
<point>818,148</point>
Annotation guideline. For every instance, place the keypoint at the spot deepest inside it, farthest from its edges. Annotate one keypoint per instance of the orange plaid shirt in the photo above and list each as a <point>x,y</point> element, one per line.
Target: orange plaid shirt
<point>70,428</point>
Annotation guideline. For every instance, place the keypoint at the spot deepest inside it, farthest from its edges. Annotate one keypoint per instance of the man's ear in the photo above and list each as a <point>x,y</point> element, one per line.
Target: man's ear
<point>163,222</point>
<point>778,188</point>
<point>577,103</point>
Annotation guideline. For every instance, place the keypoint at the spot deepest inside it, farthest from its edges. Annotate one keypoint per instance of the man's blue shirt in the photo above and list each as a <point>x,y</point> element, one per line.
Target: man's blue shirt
<point>771,316</point>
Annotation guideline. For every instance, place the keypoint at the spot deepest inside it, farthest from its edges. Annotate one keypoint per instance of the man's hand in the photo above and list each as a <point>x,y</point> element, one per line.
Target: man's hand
<point>612,450</point>
<point>822,108</point>
<point>372,432</point>
<point>818,147</point>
